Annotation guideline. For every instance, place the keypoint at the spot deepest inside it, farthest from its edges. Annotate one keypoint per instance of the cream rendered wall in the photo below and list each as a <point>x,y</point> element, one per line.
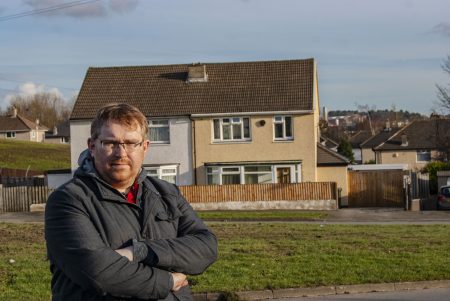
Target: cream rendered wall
<point>404,157</point>
<point>367,154</point>
<point>336,174</point>
<point>262,146</point>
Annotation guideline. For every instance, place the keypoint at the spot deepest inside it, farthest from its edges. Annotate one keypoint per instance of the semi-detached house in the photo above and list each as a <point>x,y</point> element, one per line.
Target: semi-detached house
<point>215,123</point>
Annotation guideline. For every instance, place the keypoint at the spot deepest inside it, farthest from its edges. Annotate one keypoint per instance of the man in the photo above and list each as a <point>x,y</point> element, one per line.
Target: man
<point>113,233</point>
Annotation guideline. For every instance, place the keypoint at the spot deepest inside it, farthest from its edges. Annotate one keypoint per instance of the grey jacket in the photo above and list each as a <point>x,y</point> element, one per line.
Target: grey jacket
<point>86,220</point>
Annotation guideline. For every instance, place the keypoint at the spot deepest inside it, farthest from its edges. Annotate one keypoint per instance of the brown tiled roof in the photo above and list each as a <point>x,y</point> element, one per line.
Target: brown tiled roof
<point>420,134</point>
<point>327,157</point>
<point>379,138</point>
<point>359,137</point>
<point>328,142</point>
<point>18,124</point>
<point>231,88</point>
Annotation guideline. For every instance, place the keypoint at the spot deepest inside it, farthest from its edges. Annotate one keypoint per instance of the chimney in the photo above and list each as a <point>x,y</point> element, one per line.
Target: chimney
<point>197,74</point>
<point>55,131</point>
<point>37,123</point>
<point>404,140</point>
<point>14,112</point>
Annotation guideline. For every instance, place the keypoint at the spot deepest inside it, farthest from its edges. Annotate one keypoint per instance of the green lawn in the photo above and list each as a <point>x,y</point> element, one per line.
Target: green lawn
<point>264,255</point>
<point>33,155</point>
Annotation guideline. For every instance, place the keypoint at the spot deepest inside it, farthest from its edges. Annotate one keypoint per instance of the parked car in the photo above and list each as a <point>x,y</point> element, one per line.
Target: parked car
<point>443,200</point>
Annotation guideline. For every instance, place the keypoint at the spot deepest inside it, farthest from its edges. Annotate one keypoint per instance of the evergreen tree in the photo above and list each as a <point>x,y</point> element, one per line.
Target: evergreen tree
<point>345,149</point>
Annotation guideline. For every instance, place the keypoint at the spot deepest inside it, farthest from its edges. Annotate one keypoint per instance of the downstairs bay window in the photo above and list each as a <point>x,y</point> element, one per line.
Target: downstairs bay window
<point>167,173</point>
<point>253,174</point>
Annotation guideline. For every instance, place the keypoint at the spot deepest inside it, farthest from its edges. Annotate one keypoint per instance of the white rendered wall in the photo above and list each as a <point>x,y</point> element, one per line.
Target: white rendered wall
<point>79,133</point>
<point>177,152</point>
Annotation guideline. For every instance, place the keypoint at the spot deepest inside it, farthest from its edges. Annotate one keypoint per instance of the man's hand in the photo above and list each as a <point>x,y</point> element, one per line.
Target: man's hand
<point>179,280</point>
<point>126,252</point>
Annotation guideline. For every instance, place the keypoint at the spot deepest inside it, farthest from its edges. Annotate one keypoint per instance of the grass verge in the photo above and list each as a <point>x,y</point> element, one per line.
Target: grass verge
<point>33,155</point>
<point>256,256</point>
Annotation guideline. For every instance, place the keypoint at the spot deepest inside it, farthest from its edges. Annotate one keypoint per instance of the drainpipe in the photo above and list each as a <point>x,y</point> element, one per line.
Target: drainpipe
<point>193,148</point>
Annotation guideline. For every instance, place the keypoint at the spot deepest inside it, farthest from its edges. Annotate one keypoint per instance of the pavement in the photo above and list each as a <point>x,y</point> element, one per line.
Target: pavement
<point>341,216</point>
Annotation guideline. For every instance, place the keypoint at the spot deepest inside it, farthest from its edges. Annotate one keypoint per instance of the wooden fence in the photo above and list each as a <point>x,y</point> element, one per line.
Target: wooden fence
<point>382,188</point>
<point>260,192</point>
<point>19,199</point>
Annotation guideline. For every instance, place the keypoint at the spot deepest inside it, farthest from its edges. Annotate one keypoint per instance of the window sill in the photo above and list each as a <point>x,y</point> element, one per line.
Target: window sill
<point>283,140</point>
<point>232,142</point>
<point>159,143</point>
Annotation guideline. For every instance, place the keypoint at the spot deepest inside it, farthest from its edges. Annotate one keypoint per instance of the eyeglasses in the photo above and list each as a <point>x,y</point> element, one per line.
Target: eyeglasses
<point>129,147</point>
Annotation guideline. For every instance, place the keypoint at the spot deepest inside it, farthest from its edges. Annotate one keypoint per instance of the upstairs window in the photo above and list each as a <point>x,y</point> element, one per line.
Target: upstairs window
<point>159,131</point>
<point>231,129</point>
<point>282,128</point>
<point>423,156</point>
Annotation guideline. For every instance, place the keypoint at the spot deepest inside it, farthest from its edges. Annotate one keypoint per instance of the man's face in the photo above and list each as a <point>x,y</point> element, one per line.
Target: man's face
<point>116,165</point>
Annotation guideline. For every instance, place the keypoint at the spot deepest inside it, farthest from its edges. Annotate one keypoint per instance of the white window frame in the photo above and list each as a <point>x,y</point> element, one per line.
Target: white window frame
<point>33,134</point>
<point>281,119</point>
<point>158,126</point>
<point>10,135</point>
<point>422,152</point>
<point>231,121</point>
<point>218,170</point>
<point>163,171</point>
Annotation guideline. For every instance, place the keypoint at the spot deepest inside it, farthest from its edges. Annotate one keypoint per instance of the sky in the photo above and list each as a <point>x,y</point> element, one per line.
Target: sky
<point>379,54</point>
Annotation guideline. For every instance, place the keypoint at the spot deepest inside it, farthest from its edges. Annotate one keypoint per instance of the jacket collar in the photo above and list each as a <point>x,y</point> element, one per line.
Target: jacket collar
<point>87,169</point>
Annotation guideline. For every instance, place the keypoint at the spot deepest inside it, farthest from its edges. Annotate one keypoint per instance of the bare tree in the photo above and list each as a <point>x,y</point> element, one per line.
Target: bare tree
<point>443,92</point>
<point>48,107</point>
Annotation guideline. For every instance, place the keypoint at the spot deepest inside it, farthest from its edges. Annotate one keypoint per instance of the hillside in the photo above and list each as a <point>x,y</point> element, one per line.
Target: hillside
<point>33,155</point>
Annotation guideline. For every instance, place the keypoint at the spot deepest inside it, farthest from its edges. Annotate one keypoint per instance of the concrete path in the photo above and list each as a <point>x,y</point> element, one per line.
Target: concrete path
<point>341,216</point>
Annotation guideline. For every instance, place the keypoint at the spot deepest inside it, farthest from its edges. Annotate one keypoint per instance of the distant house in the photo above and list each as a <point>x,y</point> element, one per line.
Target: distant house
<point>217,123</point>
<point>416,144</point>
<point>17,127</point>
<point>366,147</point>
<point>356,140</point>
<point>59,134</point>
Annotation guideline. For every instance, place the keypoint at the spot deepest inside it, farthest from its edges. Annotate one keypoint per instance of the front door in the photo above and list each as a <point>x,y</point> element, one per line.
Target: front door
<point>283,175</point>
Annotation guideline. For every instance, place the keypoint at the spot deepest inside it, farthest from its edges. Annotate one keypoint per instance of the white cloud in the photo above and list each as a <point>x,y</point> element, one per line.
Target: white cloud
<point>30,89</point>
<point>81,10</point>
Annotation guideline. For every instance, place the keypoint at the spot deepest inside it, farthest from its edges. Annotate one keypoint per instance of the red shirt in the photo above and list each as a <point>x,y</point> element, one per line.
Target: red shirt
<point>132,194</point>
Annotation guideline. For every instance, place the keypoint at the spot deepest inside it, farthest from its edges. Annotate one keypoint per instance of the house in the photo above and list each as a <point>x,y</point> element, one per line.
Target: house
<point>18,127</point>
<point>59,134</point>
<point>215,123</point>
<point>416,144</point>
<point>355,141</point>
<point>367,146</point>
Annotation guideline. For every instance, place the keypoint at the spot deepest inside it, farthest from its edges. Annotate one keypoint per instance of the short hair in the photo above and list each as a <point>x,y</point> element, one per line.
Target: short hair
<point>121,113</point>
